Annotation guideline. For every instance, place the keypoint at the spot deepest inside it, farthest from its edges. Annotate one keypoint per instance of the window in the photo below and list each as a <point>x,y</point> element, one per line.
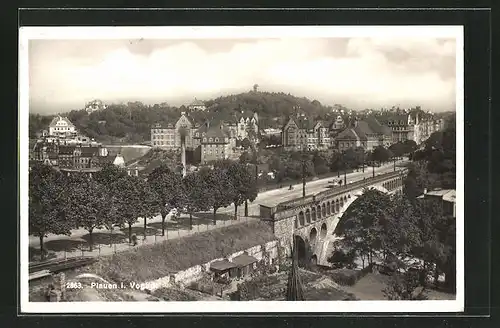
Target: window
<point>204,139</point>
<point>210,139</point>
<point>216,139</point>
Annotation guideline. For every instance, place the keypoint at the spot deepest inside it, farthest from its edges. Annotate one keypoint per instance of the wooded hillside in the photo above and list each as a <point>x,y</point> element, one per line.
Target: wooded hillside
<point>132,122</point>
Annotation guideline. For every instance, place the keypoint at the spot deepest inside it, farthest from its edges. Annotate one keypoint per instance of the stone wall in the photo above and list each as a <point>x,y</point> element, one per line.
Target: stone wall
<point>184,277</point>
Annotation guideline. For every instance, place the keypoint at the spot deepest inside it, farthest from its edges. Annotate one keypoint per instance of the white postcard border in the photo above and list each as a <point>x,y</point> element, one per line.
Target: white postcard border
<point>234,32</point>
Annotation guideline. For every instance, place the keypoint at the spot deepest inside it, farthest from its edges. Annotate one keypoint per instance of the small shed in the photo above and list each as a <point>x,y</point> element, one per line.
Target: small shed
<point>223,268</point>
<point>245,264</point>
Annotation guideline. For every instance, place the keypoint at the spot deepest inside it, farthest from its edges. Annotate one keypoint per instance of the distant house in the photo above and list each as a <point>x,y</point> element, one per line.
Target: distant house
<point>447,198</point>
<point>368,134</point>
<point>61,126</point>
<point>94,105</point>
<point>301,132</point>
<point>197,105</point>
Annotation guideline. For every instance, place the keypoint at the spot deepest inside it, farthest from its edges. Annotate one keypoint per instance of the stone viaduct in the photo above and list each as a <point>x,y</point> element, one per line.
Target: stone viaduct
<point>312,220</point>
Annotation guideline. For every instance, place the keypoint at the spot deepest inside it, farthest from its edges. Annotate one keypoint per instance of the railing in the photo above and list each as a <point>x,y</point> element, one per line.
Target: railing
<point>338,190</point>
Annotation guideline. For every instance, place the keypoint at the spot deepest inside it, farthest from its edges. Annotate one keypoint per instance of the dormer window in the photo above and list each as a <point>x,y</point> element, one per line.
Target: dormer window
<point>210,139</point>
<point>216,139</point>
<point>204,139</point>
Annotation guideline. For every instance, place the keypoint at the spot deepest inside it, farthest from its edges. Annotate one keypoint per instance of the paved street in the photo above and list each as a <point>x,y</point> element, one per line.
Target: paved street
<point>177,228</point>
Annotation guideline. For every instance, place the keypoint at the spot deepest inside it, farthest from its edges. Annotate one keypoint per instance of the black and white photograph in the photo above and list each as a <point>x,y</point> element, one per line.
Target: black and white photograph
<point>241,169</point>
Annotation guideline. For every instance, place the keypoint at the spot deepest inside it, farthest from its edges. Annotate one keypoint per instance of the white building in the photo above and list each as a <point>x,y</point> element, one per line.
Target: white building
<point>61,126</point>
<point>197,105</point>
<point>94,105</point>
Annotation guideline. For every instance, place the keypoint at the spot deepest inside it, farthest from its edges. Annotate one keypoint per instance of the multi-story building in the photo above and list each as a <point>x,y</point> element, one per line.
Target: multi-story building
<point>61,127</point>
<point>337,126</point>
<point>215,145</point>
<point>303,133</point>
<point>414,125</point>
<point>197,105</point>
<point>94,105</point>
<point>367,133</point>
<point>78,156</point>
<point>169,135</point>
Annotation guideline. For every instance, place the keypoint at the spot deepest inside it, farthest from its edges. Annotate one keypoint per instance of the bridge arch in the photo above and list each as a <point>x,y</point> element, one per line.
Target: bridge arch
<point>313,236</point>
<point>318,211</point>
<point>323,231</point>
<point>301,250</point>
<point>314,260</point>
<point>308,215</point>
<point>328,208</point>
<point>313,210</point>
<point>323,209</point>
<point>337,223</point>
<point>301,219</point>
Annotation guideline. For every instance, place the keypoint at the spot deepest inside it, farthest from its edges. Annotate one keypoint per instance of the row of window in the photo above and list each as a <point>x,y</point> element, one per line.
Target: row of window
<point>320,211</point>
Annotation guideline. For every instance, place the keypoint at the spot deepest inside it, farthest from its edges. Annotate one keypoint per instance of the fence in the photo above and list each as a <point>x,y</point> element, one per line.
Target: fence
<point>279,185</point>
<point>104,248</point>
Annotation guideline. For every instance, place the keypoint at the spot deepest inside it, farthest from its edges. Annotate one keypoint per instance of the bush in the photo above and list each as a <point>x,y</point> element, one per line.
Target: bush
<point>340,259</point>
<point>350,277</point>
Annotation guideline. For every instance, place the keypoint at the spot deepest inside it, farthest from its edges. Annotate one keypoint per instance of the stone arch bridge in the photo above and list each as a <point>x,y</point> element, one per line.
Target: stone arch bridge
<point>312,220</point>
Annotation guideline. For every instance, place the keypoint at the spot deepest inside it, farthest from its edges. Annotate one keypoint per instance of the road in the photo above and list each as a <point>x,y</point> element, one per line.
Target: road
<point>270,198</point>
<point>274,197</point>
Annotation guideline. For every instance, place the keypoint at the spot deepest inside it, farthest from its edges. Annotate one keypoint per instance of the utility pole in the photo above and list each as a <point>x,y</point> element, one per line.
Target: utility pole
<point>373,169</point>
<point>303,174</point>
<point>394,164</point>
<point>345,176</point>
<point>363,164</point>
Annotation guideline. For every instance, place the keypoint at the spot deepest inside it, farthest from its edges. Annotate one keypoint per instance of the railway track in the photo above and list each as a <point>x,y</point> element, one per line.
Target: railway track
<point>45,268</point>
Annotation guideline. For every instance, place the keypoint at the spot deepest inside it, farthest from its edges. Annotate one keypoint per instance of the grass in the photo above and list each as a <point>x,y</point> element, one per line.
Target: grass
<point>156,261</point>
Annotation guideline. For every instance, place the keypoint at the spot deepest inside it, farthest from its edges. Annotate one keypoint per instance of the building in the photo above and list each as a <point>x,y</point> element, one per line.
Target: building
<point>169,135</point>
<point>446,196</point>
<point>61,127</point>
<point>215,144</point>
<point>197,105</point>
<point>415,125</point>
<point>94,105</point>
<point>303,133</point>
<point>78,157</point>
<point>248,126</point>
<point>337,126</point>
<point>367,133</point>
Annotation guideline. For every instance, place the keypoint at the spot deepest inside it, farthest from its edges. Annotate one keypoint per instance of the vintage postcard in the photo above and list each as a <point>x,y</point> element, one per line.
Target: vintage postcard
<point>241,169</point>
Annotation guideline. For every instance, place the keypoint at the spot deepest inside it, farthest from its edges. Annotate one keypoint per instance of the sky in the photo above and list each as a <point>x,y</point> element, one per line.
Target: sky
<point>356,72</point>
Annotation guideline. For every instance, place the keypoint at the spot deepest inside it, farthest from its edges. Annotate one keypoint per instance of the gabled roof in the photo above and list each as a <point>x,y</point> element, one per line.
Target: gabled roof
<point>60,118</point>
<point>197,102</point>
<point>349,134</point>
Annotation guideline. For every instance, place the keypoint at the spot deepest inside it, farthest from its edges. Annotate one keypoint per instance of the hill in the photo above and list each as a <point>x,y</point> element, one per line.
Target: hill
<point>131,122</point>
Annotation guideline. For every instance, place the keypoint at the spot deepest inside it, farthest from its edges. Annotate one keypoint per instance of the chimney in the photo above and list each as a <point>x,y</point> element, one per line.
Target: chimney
<point>425,191</point>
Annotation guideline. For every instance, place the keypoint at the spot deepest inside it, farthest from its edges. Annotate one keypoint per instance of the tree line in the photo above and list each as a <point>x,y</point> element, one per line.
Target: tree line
<point>291,165</point>
<point>416,236</point>
<point>59,203</point>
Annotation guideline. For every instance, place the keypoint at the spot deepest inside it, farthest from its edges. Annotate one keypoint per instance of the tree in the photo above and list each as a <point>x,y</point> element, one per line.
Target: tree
<point>109,174</point>
<point>409,146</point>
<point>169,192</point>
<point>87,202</point>
<point>222,190</point>
<point>362,224</point>
<point>244,187</point>
<point>398,149</point>
<point>320,163</point>
<point>436,232</point>
<point>381,154</point>
<point>47,203</point>
<point>129,201</point>
<point>147,208</point>
<point>405,287</point>
<point>197,195</point>
<point>245,158</point>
